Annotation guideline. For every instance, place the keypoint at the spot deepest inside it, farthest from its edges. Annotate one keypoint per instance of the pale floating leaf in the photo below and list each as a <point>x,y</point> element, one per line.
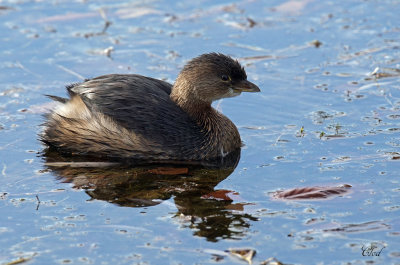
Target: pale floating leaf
<point>135,12</point>
<point>312,193</point>
<point>271,261</point>
<point>244,254</point>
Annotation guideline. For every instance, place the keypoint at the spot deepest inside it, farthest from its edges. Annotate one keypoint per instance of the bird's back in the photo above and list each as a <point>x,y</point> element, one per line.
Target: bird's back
<point>124,116</point>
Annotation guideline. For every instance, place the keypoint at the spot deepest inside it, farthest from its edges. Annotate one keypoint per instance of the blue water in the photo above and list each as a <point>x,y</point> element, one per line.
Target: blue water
<point>344,93</point>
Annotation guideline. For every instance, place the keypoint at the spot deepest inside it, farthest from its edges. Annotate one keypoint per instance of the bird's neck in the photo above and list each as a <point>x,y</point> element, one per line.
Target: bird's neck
<point>222,134</point>
<point>187,99</point>
<point>197,110</point>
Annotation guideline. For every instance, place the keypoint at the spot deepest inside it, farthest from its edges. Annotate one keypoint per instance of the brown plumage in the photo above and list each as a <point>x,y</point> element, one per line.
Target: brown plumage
<point>136,117</point>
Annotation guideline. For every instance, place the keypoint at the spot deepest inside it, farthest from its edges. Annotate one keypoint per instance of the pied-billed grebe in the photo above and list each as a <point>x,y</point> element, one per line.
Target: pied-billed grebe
<point>136,117</point>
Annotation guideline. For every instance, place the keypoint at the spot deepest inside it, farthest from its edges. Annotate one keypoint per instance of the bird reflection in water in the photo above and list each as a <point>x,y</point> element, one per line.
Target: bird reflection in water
<point>207,211</point>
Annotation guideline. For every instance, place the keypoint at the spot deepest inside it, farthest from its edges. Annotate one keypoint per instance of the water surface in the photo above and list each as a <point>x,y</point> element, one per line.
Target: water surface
<point>328,115</point>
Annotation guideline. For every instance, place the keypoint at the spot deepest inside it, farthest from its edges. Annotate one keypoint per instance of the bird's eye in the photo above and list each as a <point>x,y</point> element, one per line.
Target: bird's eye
<point>226,78</point>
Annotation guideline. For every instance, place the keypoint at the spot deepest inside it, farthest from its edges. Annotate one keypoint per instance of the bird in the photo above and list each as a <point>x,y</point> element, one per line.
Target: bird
<point>134,117</point>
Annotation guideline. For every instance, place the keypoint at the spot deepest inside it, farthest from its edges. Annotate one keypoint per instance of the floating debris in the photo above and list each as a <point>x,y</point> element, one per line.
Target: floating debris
<point>108,51</point>
<point>271,261</point>
<point>244,254</point>
<point>364,52</point>
<point>301,133</point>
<point>18,261</point>
<point>245,46</point>
<point>173,55</point>
<point>217,257</point>
<point>50,29</point>
<point>292,7</point>
<point>38,202</point>
<point>320,116</point>
<point>316,43</point>
<point>235,24</point>
<point>12,92</point>
<point>393,155</point>
<point>384,72</point>
<point>67,17</point>
<point>6,8</point>
<point>312,193</point>
<point>261,57</point>
<point>135,12</point>
<point>360,228</point>
<point>252,23</point>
